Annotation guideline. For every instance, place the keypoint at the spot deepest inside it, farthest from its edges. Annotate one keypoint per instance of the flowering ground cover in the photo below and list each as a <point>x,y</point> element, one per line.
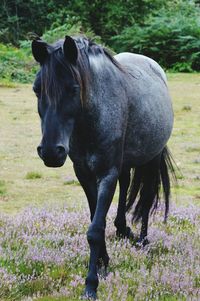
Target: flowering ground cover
<point>43,248</point>
<point>44,252</point>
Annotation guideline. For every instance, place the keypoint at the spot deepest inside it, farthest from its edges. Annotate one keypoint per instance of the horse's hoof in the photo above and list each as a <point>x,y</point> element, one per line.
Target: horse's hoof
<point>126,233</point>
<point>142,242</point>
<point>89,295</point>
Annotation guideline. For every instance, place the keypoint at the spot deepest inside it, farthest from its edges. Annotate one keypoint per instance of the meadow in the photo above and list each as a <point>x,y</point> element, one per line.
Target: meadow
<point>44,215</point>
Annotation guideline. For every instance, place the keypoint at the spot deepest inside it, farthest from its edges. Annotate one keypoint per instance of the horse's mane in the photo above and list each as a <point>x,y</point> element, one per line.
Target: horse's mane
<point>81,70</point>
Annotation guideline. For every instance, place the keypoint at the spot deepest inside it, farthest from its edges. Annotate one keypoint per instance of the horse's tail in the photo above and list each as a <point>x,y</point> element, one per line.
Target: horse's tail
<point>161,178</point>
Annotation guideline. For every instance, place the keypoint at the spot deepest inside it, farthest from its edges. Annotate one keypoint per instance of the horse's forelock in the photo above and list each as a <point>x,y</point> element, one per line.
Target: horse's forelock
<point>51,85</point>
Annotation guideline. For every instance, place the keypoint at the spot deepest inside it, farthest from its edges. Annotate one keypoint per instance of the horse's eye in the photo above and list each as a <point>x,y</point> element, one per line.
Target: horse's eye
<point>74,90</point>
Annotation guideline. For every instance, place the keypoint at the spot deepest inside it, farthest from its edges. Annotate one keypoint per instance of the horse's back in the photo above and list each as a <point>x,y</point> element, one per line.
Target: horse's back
<point>142,62</point>
<point>150,111</point>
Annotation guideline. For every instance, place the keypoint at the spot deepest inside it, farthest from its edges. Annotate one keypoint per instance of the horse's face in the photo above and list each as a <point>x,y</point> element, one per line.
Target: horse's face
<point>57,122</point>
<point>57,115</point>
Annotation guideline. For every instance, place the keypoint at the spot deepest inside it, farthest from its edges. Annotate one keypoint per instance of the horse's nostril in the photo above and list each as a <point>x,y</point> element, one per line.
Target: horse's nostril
<point>60,149</point>
<point>39,150</point>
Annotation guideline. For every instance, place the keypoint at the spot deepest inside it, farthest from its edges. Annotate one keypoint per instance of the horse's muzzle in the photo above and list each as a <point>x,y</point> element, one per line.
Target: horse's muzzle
<point>52,156</point>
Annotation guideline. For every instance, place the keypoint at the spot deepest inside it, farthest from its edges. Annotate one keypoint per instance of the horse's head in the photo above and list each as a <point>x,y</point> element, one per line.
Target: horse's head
<point>58,93</point>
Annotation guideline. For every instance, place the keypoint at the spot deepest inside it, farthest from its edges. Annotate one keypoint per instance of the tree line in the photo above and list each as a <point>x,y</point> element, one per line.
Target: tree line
<point>168,31</point>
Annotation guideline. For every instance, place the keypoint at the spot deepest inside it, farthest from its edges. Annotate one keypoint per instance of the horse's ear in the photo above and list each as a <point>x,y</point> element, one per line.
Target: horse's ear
<point>39,50</point>
<point>70,49</point>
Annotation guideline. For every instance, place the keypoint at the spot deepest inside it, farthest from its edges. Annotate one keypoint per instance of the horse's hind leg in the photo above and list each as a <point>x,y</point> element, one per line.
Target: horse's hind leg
<point>120,221</point>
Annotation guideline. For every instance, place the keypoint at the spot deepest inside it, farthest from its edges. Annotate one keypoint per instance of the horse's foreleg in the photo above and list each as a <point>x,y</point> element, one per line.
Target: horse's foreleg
<point>96,232</point>
<point>120,221</point>
<point>88,182</point>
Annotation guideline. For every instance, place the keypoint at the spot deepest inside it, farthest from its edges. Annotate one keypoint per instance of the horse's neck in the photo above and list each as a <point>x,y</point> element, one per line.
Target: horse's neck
<point>105,104</point>
<point>105,101</point>
<point>106,81</point>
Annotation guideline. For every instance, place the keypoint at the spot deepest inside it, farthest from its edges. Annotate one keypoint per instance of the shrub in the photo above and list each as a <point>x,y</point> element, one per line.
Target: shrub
<point>16,64</point>
<point>56,33</point>
<point>171,37</point>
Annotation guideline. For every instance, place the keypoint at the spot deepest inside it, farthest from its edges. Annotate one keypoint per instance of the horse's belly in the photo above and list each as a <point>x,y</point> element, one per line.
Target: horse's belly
<point>149,126</point>
<point>139,150</point>
<point>150,117</point>
<point>144,142</point>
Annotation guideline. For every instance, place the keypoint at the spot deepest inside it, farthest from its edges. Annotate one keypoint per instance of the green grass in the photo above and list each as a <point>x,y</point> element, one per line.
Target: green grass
<point>2,187</point>
<point>32,175</point>
<point>20,135</point>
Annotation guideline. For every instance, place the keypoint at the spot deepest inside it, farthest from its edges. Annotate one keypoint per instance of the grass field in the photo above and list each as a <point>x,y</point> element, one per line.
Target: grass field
<point>43,248</point>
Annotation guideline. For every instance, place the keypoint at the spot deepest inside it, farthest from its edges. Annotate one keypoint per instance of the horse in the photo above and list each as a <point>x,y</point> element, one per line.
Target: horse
<point>113,116</point>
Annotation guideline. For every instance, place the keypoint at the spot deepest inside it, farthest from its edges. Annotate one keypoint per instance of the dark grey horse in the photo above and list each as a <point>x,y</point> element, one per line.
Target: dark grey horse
<point>112,116</point>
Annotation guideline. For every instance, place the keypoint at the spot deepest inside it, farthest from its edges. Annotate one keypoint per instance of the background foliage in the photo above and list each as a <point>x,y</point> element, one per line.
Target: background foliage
<point>168,31</point>
<point>171,36</point>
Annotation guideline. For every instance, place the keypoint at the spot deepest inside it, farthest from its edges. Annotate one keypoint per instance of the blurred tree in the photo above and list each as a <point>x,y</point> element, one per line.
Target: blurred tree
<point>106,18</point>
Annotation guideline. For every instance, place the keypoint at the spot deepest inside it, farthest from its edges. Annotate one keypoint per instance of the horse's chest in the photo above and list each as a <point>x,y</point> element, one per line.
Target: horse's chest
<point>82,155</point>
<point>92,161</point>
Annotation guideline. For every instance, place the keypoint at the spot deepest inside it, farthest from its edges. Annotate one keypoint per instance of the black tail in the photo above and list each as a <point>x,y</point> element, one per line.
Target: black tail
<point>147,180</point>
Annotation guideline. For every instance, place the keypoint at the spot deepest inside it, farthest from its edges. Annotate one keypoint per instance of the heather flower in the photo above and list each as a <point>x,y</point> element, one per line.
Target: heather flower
<point>44,251</point>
